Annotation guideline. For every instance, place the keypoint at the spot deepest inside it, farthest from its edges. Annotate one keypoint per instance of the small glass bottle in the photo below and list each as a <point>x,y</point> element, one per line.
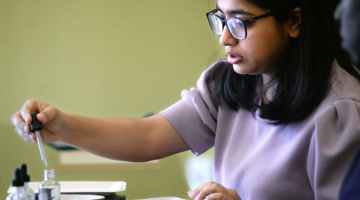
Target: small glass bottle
<point>17,184</point>
<point>30,195</point>
<point>49,189</point>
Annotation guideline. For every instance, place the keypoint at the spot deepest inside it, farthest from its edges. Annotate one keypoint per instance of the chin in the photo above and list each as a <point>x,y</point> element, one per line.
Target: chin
<point>243,69</point>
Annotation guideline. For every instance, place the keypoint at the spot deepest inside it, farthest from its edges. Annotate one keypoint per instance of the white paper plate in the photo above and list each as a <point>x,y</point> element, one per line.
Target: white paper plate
<point>81,197</point>
<point>85,186</point>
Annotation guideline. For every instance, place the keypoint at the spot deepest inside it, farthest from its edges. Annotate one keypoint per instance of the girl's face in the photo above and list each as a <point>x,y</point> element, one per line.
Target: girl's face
<point>264,45</point>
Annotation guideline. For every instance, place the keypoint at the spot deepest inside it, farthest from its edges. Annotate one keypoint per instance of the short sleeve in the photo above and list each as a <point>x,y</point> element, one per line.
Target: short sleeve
<point>333,145</point>
<point>195,115</point>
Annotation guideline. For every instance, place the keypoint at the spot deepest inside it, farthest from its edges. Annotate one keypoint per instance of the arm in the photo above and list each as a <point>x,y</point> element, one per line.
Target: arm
<point>128,139</point>
<point>333,145</point>
<point>119,138</point>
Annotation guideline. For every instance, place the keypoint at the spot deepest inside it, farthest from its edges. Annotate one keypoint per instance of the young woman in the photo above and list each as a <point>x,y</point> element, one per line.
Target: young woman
<point>281,111</point>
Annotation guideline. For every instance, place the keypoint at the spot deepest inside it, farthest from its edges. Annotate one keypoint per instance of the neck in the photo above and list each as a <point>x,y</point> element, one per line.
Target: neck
<point>269,92</point>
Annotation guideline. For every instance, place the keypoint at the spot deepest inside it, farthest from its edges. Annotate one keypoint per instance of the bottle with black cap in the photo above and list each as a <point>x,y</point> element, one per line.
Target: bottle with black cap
<point>30,195</point>
<point>18,187</point>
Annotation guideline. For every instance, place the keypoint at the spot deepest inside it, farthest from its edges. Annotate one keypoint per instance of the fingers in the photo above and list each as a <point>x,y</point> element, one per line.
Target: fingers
<point>194,193</point>
<point>18,121</point>
<point>22,119</point>
<point>20,126</point>
<point>44,112</point>
<point>215,196</point>
<point>205,190</point>
<point>29,137</point>
<point>29,107</point>
<point>213,191</point>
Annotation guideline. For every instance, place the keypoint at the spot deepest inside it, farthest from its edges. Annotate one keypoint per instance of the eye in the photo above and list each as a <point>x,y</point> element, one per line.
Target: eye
<point>240,23</point>
<point>236,23</point>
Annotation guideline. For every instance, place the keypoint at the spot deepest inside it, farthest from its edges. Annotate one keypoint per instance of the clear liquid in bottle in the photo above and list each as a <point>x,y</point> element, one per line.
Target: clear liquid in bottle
<point>49,189</point>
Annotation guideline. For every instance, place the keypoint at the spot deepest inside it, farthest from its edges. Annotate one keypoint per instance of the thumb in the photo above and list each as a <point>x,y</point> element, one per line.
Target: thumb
<point>48,114</point>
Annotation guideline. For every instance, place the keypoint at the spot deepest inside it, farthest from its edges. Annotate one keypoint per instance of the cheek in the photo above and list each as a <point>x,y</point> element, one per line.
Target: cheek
<point>264,47</point>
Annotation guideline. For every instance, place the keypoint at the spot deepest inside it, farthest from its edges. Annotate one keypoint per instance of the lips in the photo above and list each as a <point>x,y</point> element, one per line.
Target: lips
<point>233,58</point>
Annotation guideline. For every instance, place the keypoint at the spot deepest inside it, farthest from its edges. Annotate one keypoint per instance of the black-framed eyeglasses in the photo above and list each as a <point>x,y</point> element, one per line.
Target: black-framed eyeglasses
<point>236,26</point>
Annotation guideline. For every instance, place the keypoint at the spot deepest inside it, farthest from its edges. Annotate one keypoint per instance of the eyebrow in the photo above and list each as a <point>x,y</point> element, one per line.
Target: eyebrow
<point>235,12</point>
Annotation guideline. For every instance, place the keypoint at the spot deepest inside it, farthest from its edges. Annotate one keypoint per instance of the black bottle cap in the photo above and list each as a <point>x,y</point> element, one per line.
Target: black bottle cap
<point>35,124</point>
<point>25,177</point>
<point>17,181</point>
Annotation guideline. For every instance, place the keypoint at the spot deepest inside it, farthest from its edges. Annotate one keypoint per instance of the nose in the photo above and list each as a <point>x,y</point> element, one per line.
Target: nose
<point>226,39</point>
<point>338,11</point>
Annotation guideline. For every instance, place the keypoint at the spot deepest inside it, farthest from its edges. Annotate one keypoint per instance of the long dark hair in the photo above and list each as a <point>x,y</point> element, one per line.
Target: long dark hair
<point>303,80</point>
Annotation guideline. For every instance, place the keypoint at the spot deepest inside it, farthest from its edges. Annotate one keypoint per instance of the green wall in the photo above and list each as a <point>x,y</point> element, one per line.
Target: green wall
<point>100,58</point>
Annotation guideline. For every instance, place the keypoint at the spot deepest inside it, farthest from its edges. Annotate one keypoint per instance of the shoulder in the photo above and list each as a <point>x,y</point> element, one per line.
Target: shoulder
<point>335,137</point>
<point>344,93</point>
<point>343,85</point>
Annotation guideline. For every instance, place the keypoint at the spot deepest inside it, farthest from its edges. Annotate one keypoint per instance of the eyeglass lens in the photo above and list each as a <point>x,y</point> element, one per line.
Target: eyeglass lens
<point>235,26</point>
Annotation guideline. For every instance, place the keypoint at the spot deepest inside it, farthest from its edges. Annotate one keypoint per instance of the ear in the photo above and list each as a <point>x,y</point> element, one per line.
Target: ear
<point>294,23</point>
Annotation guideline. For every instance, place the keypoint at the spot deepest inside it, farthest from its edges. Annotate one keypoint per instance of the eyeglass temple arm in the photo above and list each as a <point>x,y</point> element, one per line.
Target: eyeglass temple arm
<point>259,17</point>
<point>213,11</point>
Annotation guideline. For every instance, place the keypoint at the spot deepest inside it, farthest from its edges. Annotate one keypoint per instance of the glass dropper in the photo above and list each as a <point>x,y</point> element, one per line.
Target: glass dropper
<point>36,126</point>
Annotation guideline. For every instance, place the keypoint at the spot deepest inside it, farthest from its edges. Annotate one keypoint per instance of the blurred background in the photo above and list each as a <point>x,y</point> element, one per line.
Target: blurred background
<point>103,58</point>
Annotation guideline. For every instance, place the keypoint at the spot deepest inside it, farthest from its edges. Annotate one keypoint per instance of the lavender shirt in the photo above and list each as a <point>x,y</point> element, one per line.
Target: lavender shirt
<point>302,161</point>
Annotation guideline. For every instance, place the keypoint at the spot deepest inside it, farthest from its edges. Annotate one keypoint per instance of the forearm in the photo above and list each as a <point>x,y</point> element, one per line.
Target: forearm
<point>117,138</point>
<point>136,140</point>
